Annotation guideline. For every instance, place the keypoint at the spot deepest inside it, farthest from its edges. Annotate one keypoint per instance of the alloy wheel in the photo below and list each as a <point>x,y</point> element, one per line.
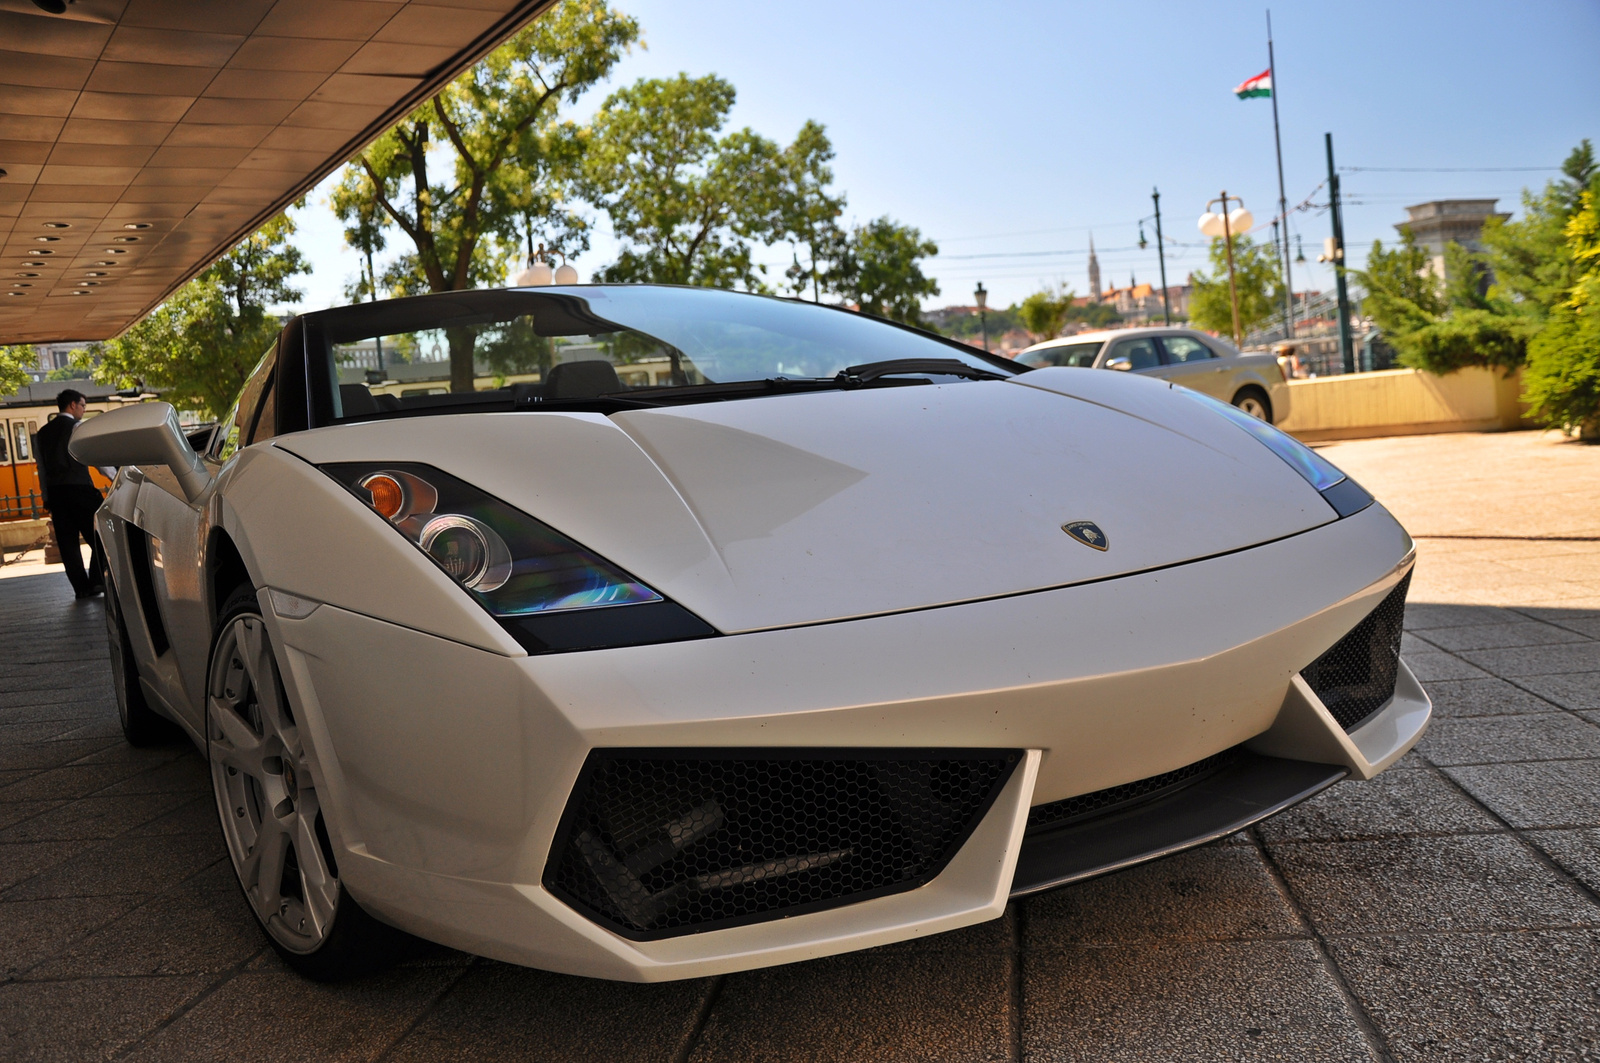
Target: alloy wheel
<point>266,797</point>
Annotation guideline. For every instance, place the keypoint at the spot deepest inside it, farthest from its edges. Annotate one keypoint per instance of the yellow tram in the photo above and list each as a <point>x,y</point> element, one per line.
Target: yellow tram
<point>21,419</point>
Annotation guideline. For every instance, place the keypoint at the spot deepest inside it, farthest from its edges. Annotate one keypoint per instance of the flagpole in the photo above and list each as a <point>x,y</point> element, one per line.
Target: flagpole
<point>1283,202</point>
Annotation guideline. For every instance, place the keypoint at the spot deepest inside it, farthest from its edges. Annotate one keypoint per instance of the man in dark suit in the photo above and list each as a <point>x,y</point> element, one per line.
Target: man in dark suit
<point>69,494</point>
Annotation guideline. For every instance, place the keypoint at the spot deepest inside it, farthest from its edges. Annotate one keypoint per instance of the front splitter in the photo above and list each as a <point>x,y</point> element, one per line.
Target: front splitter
<point>1245,792</point>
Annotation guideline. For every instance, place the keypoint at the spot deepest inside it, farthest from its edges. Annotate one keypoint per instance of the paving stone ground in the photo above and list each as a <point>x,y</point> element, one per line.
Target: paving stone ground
<point>1449,910</point>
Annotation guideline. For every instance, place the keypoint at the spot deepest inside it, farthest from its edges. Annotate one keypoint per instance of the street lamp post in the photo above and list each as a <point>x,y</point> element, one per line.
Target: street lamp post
<point>1224,225</point>
<point>981,297</point>
<point>1161,255</point>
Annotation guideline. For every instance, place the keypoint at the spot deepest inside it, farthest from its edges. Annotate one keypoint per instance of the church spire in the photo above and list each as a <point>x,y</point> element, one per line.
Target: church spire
<point>1094,273</point>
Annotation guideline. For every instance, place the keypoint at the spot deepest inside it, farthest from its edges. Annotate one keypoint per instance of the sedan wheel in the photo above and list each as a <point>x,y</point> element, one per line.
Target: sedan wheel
<point>1254,403</point>
<point>270,810</point>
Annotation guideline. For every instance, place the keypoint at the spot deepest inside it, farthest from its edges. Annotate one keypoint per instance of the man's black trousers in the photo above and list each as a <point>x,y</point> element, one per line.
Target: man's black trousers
<point>72,509</point>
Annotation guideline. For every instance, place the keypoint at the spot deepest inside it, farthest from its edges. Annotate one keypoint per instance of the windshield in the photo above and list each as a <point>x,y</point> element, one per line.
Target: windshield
<point>1079,354</point>
<point>628,342</point>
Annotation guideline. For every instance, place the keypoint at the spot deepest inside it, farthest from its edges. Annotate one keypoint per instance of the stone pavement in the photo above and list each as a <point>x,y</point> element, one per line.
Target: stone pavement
<point>1448,910</point>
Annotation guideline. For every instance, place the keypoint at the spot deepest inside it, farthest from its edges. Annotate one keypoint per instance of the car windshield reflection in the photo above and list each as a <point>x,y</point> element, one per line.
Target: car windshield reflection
<point>633,343</point>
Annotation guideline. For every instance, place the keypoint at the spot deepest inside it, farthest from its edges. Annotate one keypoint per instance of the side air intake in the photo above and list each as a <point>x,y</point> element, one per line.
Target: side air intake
<point>1357,674</point>
<point>657,843</point>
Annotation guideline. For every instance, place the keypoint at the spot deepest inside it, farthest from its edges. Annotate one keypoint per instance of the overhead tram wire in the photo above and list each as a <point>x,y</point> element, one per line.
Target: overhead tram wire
<point>1448,169</point>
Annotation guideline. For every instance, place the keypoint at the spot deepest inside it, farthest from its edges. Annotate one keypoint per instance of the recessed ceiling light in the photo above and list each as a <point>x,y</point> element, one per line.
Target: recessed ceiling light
<point>137,225</point>
<point>105,263</point>
<point>40,251</point>
<point>90,284</point>
<point>21,284</point>
<point>109,251</point>
<point>125,239</point>
<point>25,274</point>
<point>57,225</point>
<point>16,293</point>
<point>97,273</point>
<point>46,239</point>
<point>80,293</point>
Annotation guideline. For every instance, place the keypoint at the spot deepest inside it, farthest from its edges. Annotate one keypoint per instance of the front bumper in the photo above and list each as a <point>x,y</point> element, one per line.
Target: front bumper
<point>447,768</point>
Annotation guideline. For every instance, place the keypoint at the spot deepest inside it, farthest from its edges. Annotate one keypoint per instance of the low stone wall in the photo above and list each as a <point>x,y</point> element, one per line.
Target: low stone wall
<point>19,533</point>
<point>1394,402</point>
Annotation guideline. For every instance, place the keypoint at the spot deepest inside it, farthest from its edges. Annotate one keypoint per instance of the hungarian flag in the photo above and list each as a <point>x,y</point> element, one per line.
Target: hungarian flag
<point>1260,85</point>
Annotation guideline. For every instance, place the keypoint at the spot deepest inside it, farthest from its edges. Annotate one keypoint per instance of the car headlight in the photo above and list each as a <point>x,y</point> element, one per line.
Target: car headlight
<point>1338,490</point>
<point>529,576</point>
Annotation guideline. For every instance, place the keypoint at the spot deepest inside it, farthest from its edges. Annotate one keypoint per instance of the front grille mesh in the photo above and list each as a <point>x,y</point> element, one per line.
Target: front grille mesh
<point>1357,674</point>
<point>1083,806</point>
<point>656,843</point>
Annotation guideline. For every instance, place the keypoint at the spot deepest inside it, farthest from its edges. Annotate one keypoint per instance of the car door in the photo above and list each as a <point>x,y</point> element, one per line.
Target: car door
<point>165,541</point>
<point>1137,354</point>
<point>1194,365</point>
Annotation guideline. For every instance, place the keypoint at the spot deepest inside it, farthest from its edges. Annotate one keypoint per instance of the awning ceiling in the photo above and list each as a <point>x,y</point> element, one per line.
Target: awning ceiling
<point>141,139</point>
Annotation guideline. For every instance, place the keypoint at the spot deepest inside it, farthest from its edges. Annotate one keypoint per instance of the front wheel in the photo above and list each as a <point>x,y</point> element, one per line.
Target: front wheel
<point>1254,401</point>
<point>271,813</point>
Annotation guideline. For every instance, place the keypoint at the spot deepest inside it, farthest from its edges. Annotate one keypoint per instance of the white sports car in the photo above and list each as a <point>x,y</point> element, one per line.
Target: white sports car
<point>648,633</point>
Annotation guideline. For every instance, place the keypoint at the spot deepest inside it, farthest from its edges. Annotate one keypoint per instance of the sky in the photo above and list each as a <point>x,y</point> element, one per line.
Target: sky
<point>1009,132</point>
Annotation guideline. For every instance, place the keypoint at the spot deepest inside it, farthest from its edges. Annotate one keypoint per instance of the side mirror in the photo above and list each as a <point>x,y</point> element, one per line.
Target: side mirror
<point>1122,362</point>
<point>146,434</point>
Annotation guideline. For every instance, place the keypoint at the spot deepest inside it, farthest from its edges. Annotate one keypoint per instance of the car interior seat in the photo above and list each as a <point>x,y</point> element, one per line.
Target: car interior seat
<point>581,380</point>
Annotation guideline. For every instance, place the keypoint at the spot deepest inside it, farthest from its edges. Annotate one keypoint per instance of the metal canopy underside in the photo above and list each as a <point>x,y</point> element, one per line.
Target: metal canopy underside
<point>161,132</point>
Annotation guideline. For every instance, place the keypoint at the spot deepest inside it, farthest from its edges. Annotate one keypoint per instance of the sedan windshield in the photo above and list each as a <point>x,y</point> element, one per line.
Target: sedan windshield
<point>626,343</point>
<point>1078,354</point>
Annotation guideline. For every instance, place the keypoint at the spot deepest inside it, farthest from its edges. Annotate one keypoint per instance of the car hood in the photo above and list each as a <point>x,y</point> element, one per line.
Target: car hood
<point>806,508</point>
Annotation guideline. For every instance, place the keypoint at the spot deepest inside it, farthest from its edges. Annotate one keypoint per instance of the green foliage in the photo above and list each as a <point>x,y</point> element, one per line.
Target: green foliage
<point>1530,259</point>
<point>1044,313</point>
<point>1095,315</point>
<point>1259,283</point>
<point>1442,325</point>
<point>1562,382</point>
<point>688,202</point>
<point>809,209</point>
<point>15,361</point>
<point>879,268</point>
<point>510,162</point>
<point>198,347</point>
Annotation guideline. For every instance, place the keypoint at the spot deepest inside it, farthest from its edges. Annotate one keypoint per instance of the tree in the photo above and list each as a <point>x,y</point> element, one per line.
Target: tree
<point>1259,282</point>
<point>1442,324</point>
<point>809,210</point>
<point>198,347</point>
<point>688,203</point>
<point>1529,259</point>
<point>879,268</point>
<point>1562,382</point>
<point>1045,313</point>
<point>509,160</point>
<point>15,362</point>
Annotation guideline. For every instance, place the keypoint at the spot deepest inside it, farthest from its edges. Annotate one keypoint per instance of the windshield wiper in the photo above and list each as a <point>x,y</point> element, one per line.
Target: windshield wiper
<point>857,375</point>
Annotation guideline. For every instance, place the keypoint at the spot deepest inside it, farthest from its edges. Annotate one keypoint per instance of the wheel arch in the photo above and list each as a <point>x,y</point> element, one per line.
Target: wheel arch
<point>225,570</point>
<point>1261,391</point>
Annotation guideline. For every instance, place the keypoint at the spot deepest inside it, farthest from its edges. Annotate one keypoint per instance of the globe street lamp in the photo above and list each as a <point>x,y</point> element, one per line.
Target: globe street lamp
<point>981,297</point>
<point>1224,225</point>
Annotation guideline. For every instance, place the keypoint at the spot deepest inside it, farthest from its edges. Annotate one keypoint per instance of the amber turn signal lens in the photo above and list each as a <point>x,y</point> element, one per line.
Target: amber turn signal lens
<point>387,495</point>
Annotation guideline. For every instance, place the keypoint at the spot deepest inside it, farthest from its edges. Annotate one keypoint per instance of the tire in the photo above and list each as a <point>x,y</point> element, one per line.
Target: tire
<point>272,820</point>
<point>141,725</point>
<point>1254,401</point>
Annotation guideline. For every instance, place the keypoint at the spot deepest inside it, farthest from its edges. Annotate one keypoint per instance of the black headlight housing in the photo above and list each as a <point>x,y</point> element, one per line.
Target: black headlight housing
<point>549,592</point>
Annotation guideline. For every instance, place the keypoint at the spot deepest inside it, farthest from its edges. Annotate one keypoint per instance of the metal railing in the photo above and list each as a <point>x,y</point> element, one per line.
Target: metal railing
<point>23,507</point>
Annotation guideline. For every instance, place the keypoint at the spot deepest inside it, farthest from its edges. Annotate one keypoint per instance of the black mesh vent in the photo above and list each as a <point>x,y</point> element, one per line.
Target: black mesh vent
<point>1101,801</point>
<point>656,843</point>
<point>1356,676</point>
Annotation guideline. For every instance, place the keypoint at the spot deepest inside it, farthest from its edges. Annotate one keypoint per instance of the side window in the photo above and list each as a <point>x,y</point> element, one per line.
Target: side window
<point>1185,349</point>
<point>1140,353</point>
<point>235,430</point>
<point>24,452</point>
<point>5,446</point>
